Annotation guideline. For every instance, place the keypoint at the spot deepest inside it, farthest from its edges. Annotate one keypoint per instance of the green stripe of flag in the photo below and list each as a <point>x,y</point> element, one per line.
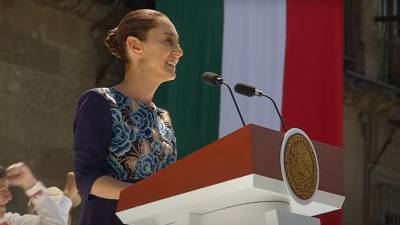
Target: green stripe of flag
<point>194,107</point>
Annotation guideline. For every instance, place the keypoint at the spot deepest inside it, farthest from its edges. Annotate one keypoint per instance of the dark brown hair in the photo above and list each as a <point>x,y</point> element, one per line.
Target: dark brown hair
<point>2,172</point>
<point>137,23</point>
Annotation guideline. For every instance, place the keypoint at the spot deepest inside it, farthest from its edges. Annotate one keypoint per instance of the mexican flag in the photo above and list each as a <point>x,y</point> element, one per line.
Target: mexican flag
<point>292,50</point>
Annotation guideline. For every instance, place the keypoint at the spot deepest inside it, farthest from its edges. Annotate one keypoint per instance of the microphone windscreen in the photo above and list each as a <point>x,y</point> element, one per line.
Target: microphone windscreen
<point>245,89</point>
<point>211,79</point>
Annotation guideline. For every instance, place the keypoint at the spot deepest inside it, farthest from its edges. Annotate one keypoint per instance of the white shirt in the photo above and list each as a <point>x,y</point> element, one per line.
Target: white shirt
<point>49,211</point>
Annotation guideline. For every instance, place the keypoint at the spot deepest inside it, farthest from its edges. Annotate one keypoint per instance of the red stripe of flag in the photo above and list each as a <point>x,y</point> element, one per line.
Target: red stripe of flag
<point>313,82</point>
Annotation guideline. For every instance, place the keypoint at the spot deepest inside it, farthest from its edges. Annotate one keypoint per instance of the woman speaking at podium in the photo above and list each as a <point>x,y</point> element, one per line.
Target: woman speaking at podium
<point>120,135</point>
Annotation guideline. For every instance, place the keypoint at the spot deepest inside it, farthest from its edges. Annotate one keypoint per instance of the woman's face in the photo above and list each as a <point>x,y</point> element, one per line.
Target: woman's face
<point>161,51</point>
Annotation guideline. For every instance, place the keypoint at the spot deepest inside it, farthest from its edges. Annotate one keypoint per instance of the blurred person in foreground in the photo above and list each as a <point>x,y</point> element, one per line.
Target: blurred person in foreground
<point>62,198</point>
<point>120,135</point>
<point>47,210</point>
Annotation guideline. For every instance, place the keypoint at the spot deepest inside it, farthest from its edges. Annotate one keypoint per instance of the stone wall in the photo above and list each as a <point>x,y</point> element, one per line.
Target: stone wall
<point>367,127</point>
<point>47,59</point>
<point>369,107</point>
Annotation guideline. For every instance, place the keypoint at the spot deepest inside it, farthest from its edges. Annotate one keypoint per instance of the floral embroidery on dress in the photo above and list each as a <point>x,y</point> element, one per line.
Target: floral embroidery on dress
<point>143,141</point>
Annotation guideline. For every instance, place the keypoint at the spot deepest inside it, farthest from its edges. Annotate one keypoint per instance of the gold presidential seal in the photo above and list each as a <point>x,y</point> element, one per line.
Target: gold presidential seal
<point>300,166</point>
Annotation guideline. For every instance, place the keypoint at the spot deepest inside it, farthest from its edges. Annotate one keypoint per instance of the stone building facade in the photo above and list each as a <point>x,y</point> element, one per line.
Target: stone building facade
<point>372,112</point>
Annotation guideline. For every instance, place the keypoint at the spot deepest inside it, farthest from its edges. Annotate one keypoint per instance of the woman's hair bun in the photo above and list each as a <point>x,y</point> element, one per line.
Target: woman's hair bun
<point>137,23</point>
<point>112,44</point>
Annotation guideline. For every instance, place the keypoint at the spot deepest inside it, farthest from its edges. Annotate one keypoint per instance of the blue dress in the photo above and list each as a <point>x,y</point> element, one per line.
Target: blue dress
<point>118,137</point>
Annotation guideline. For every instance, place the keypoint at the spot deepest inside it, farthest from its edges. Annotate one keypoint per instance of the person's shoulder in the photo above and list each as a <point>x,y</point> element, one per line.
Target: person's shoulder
<point>96,92</point>
<point>162,111</point>
<point>98,95</point>
<point>164,116</point>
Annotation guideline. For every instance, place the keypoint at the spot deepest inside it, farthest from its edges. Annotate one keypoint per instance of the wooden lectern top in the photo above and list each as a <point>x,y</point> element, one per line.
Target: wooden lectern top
<point>249,150</point>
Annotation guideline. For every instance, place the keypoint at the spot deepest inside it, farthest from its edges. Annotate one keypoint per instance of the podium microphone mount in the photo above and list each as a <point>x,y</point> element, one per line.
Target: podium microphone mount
<point>215,80</point>
<point>250,91</point>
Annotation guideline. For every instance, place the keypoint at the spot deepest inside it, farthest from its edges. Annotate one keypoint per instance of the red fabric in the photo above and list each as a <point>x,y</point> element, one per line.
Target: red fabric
<point>313,82</point>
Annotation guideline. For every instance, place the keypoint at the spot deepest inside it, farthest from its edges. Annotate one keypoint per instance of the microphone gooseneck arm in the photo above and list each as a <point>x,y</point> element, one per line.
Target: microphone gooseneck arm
<point>250,91</point>
<point>215,80</point>
<point>276,108</point>
<point>234,101</point>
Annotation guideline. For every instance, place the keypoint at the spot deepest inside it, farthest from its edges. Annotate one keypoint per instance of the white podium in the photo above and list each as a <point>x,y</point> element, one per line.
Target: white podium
<point>236,180</point>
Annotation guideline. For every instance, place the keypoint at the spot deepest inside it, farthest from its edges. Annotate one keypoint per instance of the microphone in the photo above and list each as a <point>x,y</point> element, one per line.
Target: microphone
<point>250,91</point>
<point>215,80</point>
<point>247,90</point>
<point>212,79</point>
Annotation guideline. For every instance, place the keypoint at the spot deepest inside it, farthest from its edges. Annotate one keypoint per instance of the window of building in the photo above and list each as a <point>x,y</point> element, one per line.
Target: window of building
<point>386,204</point>
<point>389,22</point>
